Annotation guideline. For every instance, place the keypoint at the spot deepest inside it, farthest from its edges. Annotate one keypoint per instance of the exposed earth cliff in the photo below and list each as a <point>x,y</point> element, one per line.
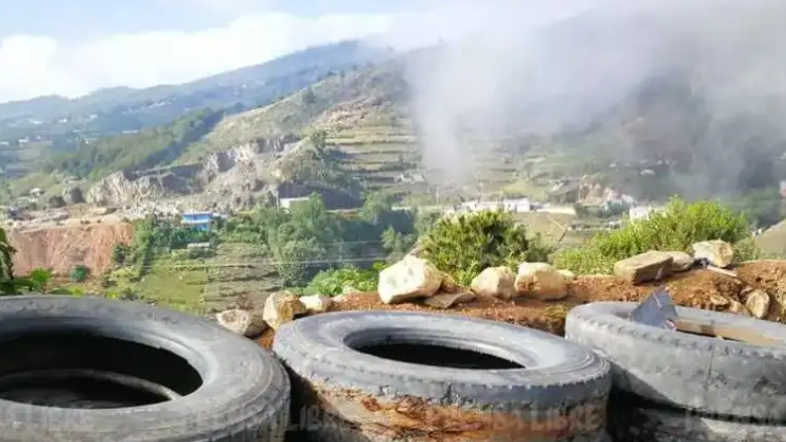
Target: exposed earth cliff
<point>60,249</point>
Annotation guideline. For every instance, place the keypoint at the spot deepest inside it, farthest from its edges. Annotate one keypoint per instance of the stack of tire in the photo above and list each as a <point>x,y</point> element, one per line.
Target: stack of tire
<point>208,383</point>
<point>671,386</point>
<point>349,385</point>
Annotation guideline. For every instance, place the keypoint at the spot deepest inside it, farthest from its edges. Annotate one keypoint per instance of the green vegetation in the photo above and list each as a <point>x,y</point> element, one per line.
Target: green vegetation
<point>7,285</point>
<point>63,123</point>
<point>676,228</point>
<point>333,282</point>
<point>80,274</point>
<point>149,148</point>
<point>308,239</point>
<point>466,245</point>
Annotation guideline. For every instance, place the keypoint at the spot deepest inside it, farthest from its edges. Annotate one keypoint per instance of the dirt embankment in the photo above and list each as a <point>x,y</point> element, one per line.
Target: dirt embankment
<point>697,288</point>
<point>62,248</point>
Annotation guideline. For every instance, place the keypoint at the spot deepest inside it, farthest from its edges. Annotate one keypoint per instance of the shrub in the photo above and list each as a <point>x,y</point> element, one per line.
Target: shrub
<point>467,244</point>
<point>80,273</point>
<point>332,282</point>
<point>676,228</point>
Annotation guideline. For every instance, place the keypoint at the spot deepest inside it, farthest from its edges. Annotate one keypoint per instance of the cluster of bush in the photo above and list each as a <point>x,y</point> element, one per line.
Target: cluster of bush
<point>676,228</point>
<point>308,243</point>
<point>463,246</point>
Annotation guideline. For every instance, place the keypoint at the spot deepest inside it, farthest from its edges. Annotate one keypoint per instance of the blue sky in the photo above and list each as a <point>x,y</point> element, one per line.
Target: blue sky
<point>90,18</point>
<point>72,47</point>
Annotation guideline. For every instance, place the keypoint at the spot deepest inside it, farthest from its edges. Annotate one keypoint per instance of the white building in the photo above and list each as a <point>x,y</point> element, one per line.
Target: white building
<point>286,203</point>
<point>642,212</point>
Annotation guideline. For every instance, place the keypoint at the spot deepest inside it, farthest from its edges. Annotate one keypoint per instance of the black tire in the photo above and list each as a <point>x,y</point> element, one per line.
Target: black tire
<point>243,396</point>
<point>349,396</point>
<point>705,374</point>
<point>633,421</point>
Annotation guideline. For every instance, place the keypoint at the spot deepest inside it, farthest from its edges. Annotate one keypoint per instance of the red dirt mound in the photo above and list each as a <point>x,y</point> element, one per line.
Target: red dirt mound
<point>696,289</point>
<point>62,248</point>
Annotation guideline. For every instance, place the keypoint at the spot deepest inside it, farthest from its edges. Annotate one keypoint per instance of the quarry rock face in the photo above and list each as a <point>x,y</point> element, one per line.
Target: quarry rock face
<point>61,249</point>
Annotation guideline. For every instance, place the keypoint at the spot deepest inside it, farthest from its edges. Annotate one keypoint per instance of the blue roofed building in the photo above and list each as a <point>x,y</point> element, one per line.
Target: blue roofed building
<point>200,220</point>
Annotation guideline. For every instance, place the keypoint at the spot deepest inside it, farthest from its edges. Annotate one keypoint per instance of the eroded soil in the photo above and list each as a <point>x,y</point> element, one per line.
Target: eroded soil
<point>697,288</point>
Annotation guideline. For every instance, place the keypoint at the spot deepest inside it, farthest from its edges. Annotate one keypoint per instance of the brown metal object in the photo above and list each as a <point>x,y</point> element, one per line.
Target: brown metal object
<point>417,420</point>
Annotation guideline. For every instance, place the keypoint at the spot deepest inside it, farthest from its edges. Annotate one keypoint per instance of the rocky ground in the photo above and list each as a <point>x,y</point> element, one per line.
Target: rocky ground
<point>696,288</point>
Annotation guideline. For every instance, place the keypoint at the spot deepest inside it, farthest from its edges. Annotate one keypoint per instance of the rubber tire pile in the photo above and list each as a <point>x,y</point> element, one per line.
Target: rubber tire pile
<point>671,386</point>
<point>345,395</point>
<point>244,395</point>
<point>639,383</point>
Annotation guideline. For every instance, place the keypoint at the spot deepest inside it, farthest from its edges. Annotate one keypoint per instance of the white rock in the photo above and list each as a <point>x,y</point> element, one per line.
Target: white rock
<point>644,267</point>
<point>758,303</point>
<point>495,282</point>
<point>718,253</point>
<point>567,275</point>
<point>316,303</point>
<point>242,322</point>
<point>281,308</point>
<point>737,308</point>
<point>349,290</point>
<point>410,278</point>
<point>448,300</point>
<point>540,281</point>
<point>682,261</point>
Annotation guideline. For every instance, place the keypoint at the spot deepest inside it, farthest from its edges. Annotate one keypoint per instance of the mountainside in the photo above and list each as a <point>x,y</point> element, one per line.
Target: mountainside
<point>33,128</point>
<point>676,118</point>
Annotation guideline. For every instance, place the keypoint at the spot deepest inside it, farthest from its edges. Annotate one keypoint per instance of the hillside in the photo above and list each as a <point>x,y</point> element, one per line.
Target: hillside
<point>647,130</point>
<point>34,128</point>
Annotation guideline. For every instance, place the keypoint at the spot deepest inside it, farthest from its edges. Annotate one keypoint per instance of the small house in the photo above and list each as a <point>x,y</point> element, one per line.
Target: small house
<point>287,203</point>
<point>642,212</point>
<point>200,220</point>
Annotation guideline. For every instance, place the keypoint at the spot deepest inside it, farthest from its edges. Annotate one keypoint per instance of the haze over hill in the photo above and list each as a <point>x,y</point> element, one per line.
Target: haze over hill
<point>654,97</point>
<point>60,124</point>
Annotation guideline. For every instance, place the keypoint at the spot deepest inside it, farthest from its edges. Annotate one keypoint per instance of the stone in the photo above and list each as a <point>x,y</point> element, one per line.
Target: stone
<point>349,290</point>
<point>242,322</point>
<point>719,301</point>
<point>646,267</point>
<point>449,285</point>
<point>317,303</point>
<point>495,282</point>
<point>448,300</point>
<point>567,275</point>
<point>737,308</point>
<point>540,281</point>
<point>758,303</point>
<point>411,278</point>
<point>682,262</point>
<point>281,308</point>
<point>718,253</point>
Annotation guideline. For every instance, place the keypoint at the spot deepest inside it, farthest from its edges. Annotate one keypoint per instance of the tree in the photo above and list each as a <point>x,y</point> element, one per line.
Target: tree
<point>300,244</point>
<point>6,265</point>
<point>308,97</point>
<point>318,139</point>
<point>120,254</point>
